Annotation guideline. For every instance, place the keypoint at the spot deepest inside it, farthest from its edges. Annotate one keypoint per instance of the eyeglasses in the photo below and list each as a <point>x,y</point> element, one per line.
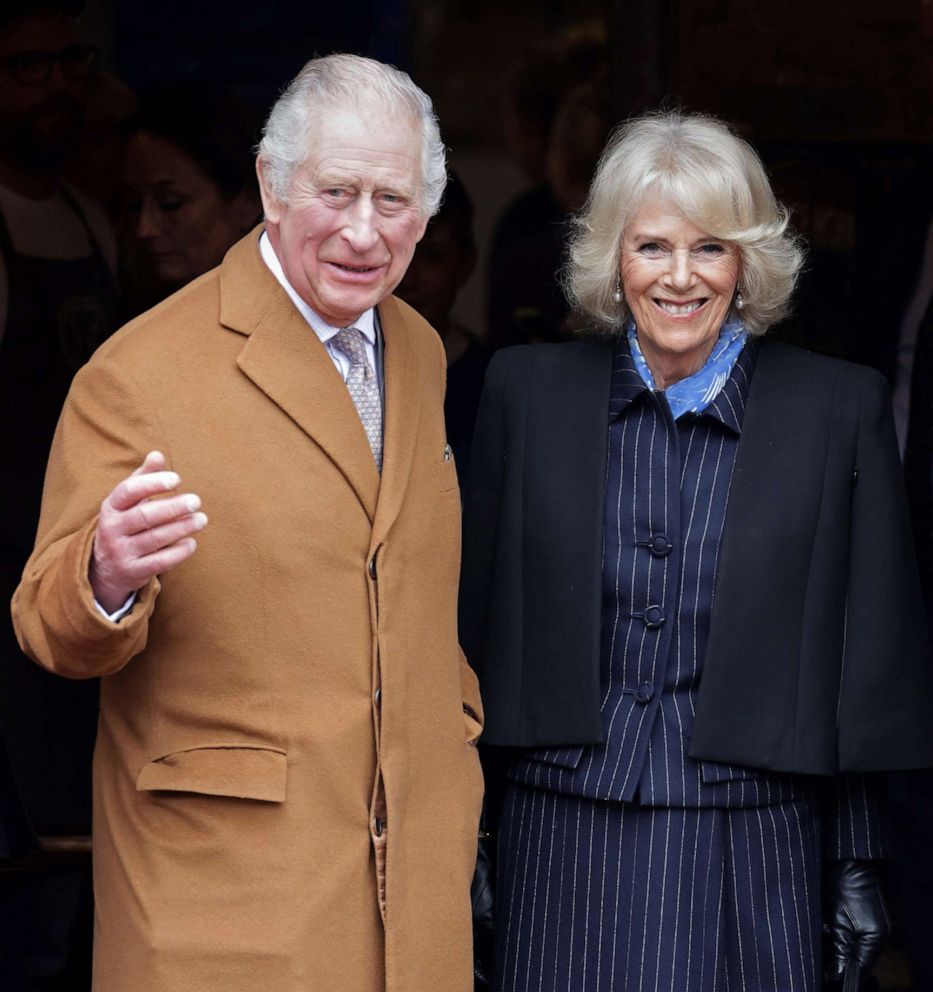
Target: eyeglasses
<point>35,68</point>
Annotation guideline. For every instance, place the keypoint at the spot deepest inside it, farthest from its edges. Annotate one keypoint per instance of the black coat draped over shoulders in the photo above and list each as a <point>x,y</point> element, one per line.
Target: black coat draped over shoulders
<point>817,660</point>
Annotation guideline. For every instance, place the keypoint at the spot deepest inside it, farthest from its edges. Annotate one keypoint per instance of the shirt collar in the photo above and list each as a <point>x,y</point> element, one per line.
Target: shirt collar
<point>728,407</point>
<point>365,323</point>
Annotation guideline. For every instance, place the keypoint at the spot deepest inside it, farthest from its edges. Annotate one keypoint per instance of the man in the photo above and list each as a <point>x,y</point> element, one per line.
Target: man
<point>286,795</point>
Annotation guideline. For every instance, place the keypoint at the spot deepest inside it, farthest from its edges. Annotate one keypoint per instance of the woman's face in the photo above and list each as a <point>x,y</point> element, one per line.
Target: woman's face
<point>679,283</point>
<point>182,221</point>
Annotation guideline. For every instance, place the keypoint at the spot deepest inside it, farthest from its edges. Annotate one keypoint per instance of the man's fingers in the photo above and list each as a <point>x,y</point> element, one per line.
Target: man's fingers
<point>153,462</point>
<point>163,560</point>
<point>151,541</point>
<point>131,491</point>
<point>154,513</point>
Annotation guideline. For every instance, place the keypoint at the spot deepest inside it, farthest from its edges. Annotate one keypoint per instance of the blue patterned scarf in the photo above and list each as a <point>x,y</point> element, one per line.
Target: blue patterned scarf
<point>695,393</point>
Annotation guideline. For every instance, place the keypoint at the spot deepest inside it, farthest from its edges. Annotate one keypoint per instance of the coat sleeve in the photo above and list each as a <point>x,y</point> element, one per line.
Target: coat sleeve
<point>885,707</point>
<point>103,434</point>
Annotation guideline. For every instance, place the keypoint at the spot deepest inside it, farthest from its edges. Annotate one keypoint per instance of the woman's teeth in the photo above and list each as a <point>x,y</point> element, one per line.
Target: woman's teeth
<point>680,309</point>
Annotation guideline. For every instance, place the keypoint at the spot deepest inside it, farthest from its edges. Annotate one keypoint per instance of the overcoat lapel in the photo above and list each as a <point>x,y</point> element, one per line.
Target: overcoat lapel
<point>403,390</point>
<point>286,360</point>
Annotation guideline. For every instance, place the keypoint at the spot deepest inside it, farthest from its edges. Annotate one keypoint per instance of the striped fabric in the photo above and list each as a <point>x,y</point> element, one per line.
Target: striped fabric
<point>597,896</point>
<point>628,864</point>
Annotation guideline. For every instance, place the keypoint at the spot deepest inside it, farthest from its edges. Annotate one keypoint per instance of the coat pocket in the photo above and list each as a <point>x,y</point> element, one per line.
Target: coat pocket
<point>241,771</point>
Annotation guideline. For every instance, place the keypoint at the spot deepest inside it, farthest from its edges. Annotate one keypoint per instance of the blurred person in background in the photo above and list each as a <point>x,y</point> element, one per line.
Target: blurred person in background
<point>911,793</point>
<point>58,301</point>
<point>555,122</point>
<point>96,168</point>
<point>190,190</point>
<point>443,262</point>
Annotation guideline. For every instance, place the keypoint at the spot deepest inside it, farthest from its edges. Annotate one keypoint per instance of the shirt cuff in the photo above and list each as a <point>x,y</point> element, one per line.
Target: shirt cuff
<point>119,614</point>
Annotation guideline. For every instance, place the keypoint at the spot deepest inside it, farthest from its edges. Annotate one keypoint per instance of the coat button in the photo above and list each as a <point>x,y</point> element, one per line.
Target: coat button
<point>372,568</point>
<point>644,693</point>
<point>660,546</point>
<point>653,617</point>
<point>377,826</point>
<point>377,696</point>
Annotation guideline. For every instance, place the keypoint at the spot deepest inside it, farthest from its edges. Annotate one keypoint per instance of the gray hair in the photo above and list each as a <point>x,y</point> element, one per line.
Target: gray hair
<point>342,82</point>
<point>716,180</point>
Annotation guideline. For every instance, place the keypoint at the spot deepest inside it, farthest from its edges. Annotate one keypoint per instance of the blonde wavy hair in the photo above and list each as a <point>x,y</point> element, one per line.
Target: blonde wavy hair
<point>716,180</point>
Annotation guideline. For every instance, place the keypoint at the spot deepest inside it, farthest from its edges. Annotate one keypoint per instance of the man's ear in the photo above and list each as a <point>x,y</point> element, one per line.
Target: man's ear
<point>271,205</point>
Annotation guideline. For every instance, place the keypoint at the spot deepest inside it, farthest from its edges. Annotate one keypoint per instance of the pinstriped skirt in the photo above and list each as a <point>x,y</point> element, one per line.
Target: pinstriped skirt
<point>597,896</point>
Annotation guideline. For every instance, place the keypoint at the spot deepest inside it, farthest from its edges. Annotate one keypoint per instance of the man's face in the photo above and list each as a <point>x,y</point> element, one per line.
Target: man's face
<point>39,121</point>
<point>353,216</point>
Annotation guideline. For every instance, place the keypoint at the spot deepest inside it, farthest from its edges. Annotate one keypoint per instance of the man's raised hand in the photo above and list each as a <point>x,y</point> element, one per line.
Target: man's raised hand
<point>139,537</point>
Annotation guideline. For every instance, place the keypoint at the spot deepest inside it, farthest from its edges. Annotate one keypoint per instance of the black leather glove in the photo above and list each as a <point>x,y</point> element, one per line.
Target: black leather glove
<point>482,895</point>
<point>856,923</point>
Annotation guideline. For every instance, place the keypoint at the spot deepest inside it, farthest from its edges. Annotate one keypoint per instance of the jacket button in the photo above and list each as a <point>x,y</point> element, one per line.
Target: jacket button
<point>644,693</point>
<point>653,617</point>
<point>377,696</point>
<point>660,546</point>
<point>377,826</point>
<point>372,567</point>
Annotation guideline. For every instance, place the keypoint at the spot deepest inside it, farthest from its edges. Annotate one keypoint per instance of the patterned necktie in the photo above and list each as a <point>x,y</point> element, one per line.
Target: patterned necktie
<point>364,389</point>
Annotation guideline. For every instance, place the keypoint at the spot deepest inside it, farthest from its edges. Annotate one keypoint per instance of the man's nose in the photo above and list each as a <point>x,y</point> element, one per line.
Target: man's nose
<point>360,229</point>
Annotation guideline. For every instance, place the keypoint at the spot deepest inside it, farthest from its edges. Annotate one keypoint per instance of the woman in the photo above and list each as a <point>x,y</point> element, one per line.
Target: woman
<point>190,187</point>
<point>672,812</point>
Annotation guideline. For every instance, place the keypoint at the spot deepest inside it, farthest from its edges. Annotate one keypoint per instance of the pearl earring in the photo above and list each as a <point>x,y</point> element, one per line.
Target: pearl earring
<point>617,292</point>
<point>739,301</point>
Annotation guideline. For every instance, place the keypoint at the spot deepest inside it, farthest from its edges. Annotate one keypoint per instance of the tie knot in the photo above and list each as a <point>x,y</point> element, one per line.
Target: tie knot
<point>350,341</point>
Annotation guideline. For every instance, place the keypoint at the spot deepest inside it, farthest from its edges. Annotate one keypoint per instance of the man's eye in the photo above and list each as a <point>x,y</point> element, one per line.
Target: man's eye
<point>169,203</point>
<point>335,193</point>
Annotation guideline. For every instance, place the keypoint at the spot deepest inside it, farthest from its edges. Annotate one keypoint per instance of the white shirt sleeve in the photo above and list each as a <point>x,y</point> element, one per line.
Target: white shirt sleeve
<point>119,614</point>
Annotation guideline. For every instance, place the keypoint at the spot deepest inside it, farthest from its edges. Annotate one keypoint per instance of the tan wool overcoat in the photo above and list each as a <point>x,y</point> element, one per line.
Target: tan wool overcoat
<point>257,695</point>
